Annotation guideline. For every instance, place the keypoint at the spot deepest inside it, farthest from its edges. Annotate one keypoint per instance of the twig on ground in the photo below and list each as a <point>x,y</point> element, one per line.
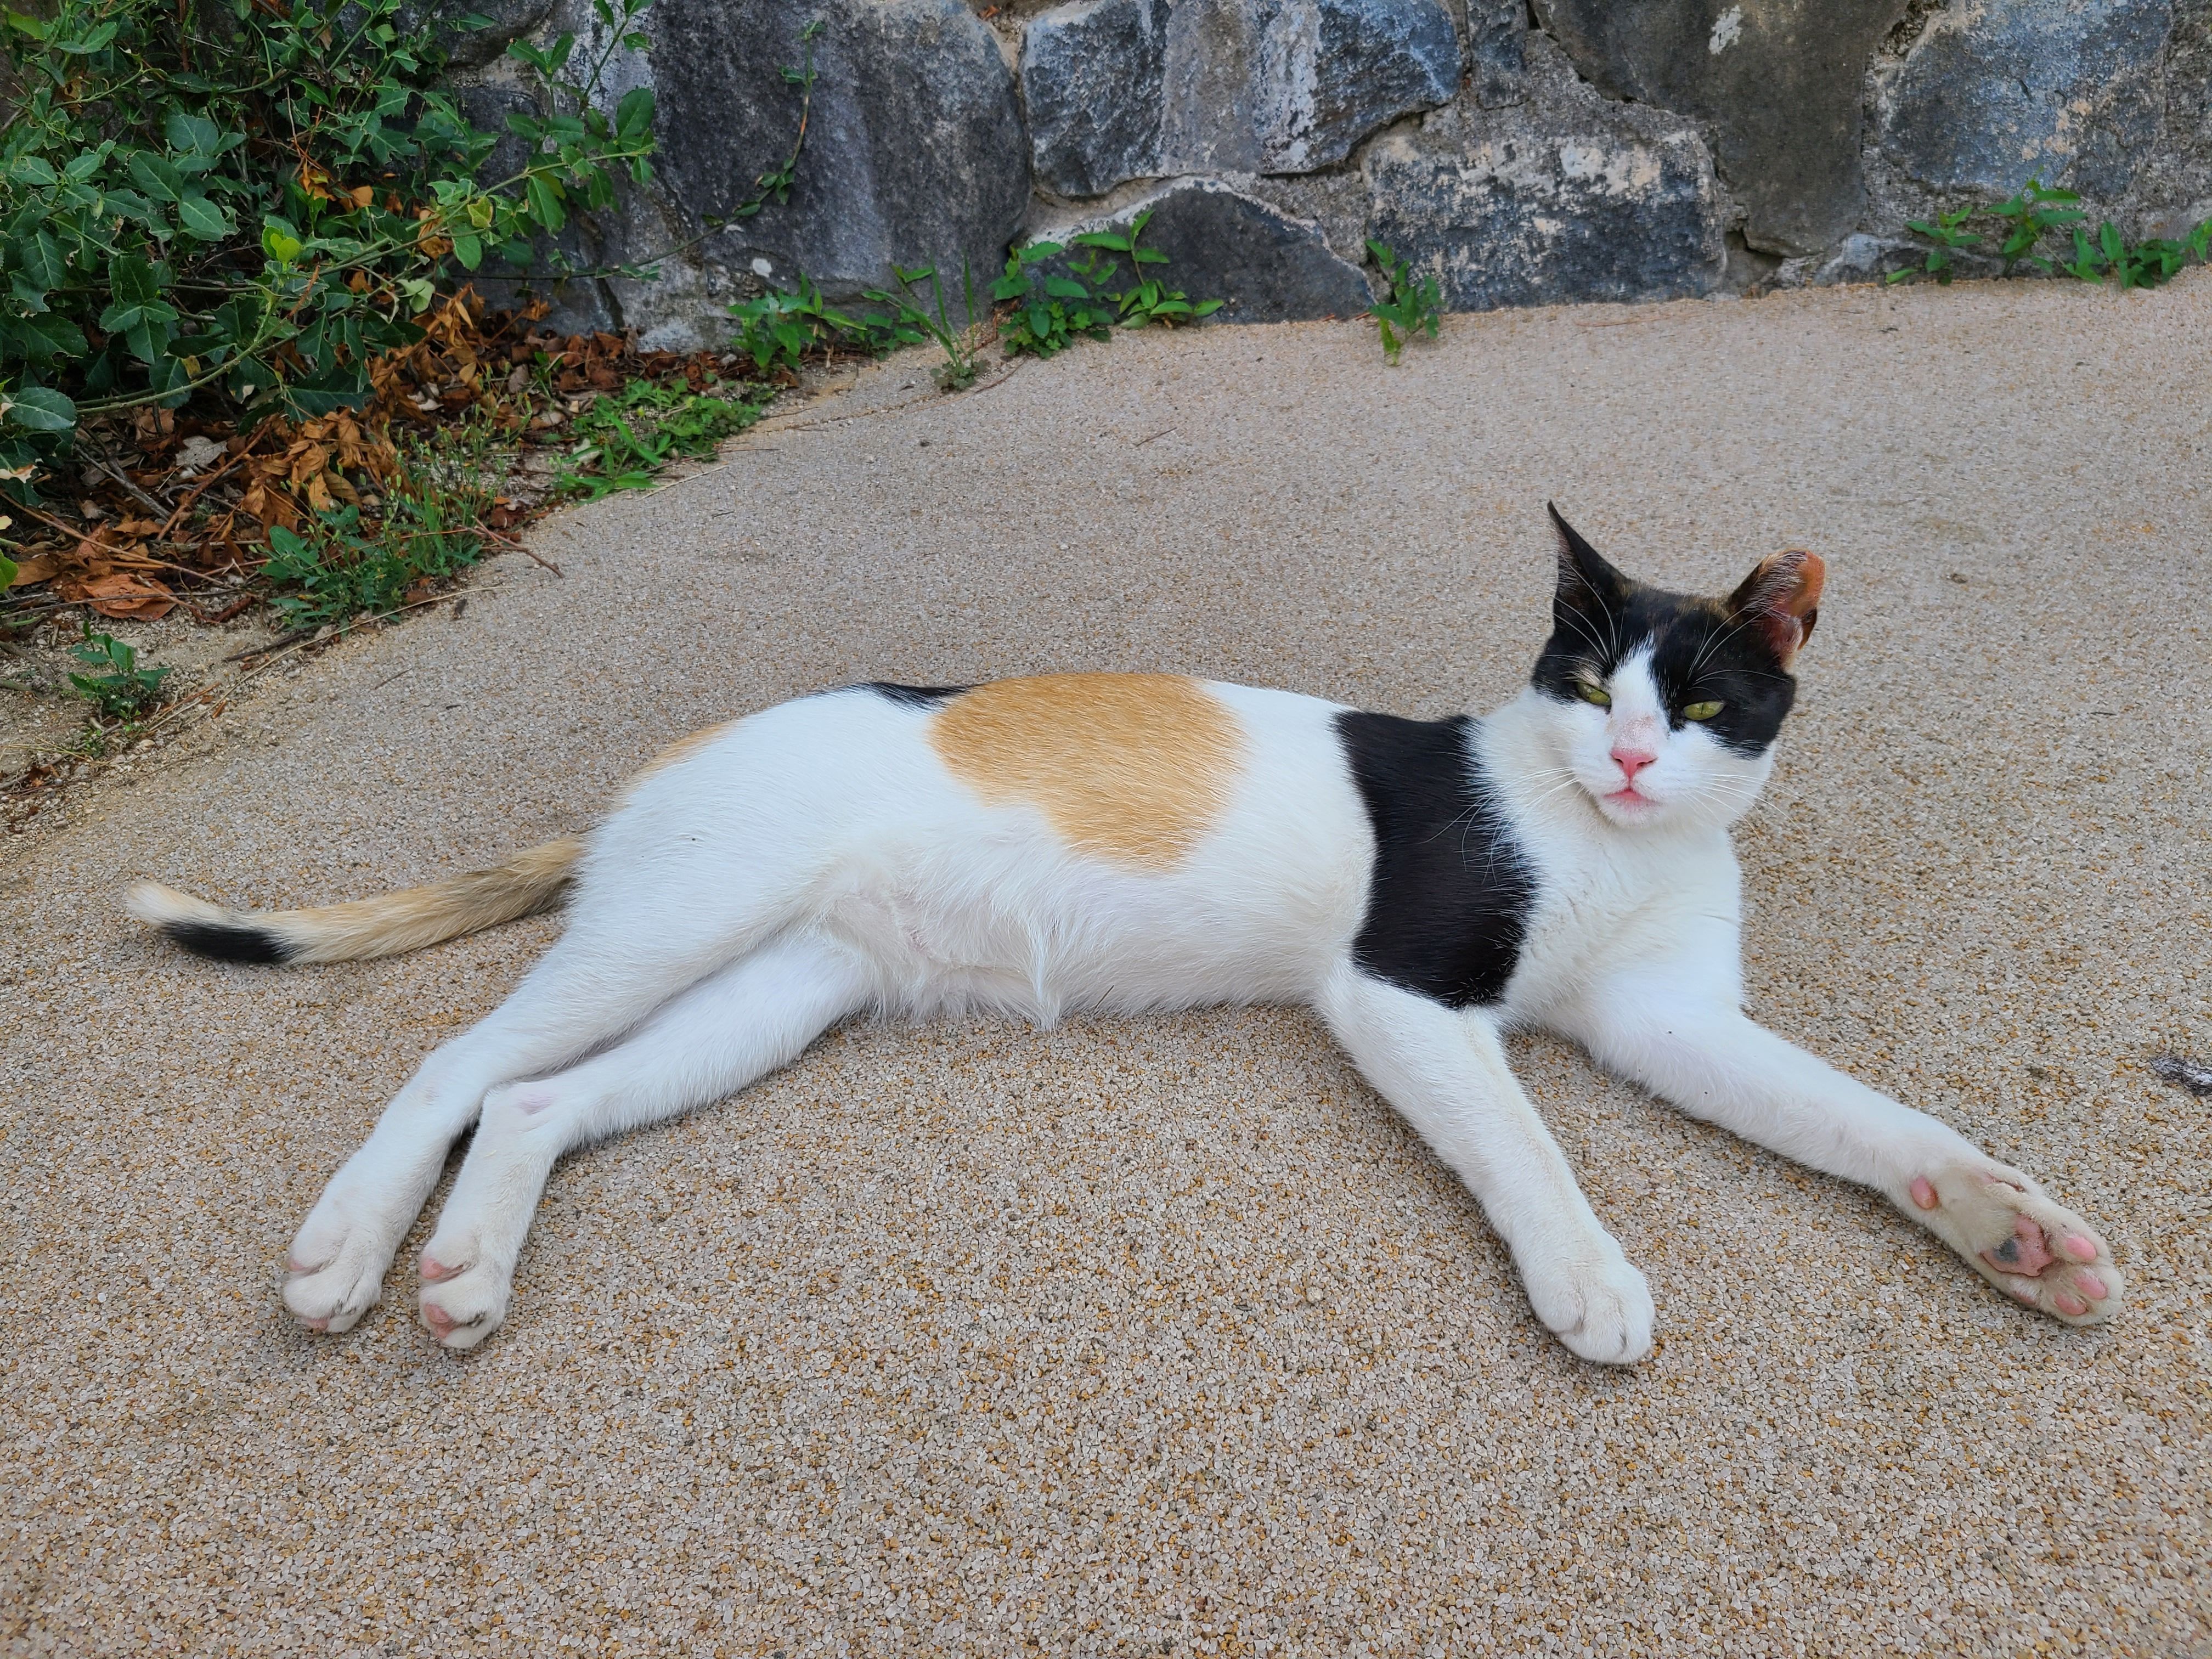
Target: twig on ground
<point>281,641</point>
<point>130,488</point>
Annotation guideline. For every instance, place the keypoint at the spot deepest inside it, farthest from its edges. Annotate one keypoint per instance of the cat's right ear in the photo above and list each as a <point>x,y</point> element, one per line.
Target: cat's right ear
<point>1586,581</point>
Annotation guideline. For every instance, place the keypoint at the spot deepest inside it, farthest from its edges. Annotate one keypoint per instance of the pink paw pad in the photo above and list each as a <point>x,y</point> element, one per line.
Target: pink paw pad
<point>434,1269</point>
<point>2025,1252</point>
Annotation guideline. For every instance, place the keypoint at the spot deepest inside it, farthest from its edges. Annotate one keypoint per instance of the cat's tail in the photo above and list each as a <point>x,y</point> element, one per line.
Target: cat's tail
<point>383,926</point>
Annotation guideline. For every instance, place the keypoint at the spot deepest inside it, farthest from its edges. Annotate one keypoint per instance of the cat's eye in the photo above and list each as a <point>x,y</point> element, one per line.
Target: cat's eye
<point>1700,711</point>
<point>1593,692</point>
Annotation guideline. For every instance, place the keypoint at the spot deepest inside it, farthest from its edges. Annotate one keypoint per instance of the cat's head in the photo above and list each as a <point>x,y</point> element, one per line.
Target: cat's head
<point>1663,706</point>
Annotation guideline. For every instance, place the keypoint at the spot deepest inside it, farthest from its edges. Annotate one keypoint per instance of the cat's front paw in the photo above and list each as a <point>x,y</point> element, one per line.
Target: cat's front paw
<point>335,1269</point>
<point>2010,1232</point>
<point>1598,1305</point>
<point>465,1294</point>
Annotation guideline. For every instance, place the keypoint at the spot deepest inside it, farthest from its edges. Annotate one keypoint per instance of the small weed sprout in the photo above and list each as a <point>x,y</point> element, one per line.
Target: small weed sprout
<point>2033,211</point>
<point>1946,234</point>
<point>781,328</point>
<point>1413,304</point>
<point>118,688</point>
<point>960,345</point>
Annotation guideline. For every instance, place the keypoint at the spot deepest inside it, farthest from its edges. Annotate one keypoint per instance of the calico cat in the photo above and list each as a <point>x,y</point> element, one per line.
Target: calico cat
<point>1138,842</point>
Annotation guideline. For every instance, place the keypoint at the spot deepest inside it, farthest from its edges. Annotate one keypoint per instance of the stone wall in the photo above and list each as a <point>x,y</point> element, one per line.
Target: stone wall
<point>1569,149</point>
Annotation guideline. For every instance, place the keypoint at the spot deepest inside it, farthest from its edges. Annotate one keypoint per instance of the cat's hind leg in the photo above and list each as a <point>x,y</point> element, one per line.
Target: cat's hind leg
<point>631,946</point>
<point>1446,1072</point>
<point>723,1033</point>
<point>1672,1027</point>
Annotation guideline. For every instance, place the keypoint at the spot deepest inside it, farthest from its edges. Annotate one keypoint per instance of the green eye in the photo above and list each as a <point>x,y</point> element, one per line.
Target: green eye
<point>1700,711</point>
<point>1593,692</point>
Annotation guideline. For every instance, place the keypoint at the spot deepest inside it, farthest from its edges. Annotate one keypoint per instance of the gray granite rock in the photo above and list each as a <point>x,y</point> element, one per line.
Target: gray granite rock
<point>1497,64</point>
<point>1221,244</point>
<point>1780,82</point>
<point>1995,93</point>
<point>1126,89</point>
<point>1091,76</point>
<point>914,153</point>
<point>467,48</point>
<point>1568,196</point>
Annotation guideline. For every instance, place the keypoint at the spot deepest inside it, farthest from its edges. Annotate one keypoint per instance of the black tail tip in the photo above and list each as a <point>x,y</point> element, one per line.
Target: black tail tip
<point>226,943</point>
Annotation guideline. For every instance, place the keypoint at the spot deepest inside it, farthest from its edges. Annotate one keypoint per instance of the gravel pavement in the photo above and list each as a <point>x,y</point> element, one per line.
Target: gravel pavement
<point>1164,1337</point>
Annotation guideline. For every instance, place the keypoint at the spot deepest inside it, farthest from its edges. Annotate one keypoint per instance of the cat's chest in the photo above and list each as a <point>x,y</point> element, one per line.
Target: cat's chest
<point>1595,909</point>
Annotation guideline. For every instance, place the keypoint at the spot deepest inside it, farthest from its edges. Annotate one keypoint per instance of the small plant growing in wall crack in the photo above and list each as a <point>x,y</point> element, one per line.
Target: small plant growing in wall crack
<point>1412,306</point>
<point>1048,309</point>
<point>1147,299</point>
<point>2037,211</point>
<point>1946,234</point>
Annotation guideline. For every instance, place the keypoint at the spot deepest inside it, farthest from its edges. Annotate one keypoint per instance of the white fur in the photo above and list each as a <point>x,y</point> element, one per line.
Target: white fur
<point>816,861</point>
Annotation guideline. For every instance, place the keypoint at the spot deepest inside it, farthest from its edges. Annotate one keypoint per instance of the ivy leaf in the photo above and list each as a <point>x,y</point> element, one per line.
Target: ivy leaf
<point>39,408</point>
<point>41,257</point>
<point>156,177</point>
<point>195,135</point>
<point>132,279</point>
<point>545,197</point>
<point>335,388</point>
<point>468,250</point>
<point>200,217</point>
<point>634,114</point>
<point>42,339</point>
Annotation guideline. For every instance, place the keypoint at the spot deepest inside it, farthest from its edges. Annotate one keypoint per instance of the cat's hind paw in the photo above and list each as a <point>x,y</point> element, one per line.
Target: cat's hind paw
<point>1600,1309</point>
<point>2035,1251</point>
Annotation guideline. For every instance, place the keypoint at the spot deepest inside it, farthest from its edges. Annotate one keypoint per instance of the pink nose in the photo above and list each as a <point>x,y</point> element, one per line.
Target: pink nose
<point>1632,761</point>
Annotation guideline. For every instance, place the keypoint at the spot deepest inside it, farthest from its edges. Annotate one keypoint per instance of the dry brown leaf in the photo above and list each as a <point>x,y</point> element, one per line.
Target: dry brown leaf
<point>138,598</point>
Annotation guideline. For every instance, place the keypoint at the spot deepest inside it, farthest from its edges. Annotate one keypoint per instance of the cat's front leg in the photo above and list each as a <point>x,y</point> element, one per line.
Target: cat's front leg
<point>1676,1031</point>
<point>1445,1072</point>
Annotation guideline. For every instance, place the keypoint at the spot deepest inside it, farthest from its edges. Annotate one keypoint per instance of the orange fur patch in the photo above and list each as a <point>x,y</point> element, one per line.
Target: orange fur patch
<point>1133,767</point>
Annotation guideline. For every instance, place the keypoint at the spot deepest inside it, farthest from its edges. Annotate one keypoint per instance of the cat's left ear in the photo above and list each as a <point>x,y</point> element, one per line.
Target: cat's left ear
<point>1782,598</point>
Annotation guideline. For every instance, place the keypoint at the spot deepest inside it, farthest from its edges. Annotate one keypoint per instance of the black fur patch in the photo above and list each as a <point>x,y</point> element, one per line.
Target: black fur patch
<point>916,697</point>
<point>1448,903</point>
<point>1699,652</point>
<point>224,944</point>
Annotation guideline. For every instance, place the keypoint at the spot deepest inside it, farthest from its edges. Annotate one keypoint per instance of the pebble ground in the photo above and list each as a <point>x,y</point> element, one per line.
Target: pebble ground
<point>1163,1337</point>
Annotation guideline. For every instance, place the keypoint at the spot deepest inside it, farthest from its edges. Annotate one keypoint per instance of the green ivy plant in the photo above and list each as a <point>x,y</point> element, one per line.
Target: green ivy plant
<point>252,198</point>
